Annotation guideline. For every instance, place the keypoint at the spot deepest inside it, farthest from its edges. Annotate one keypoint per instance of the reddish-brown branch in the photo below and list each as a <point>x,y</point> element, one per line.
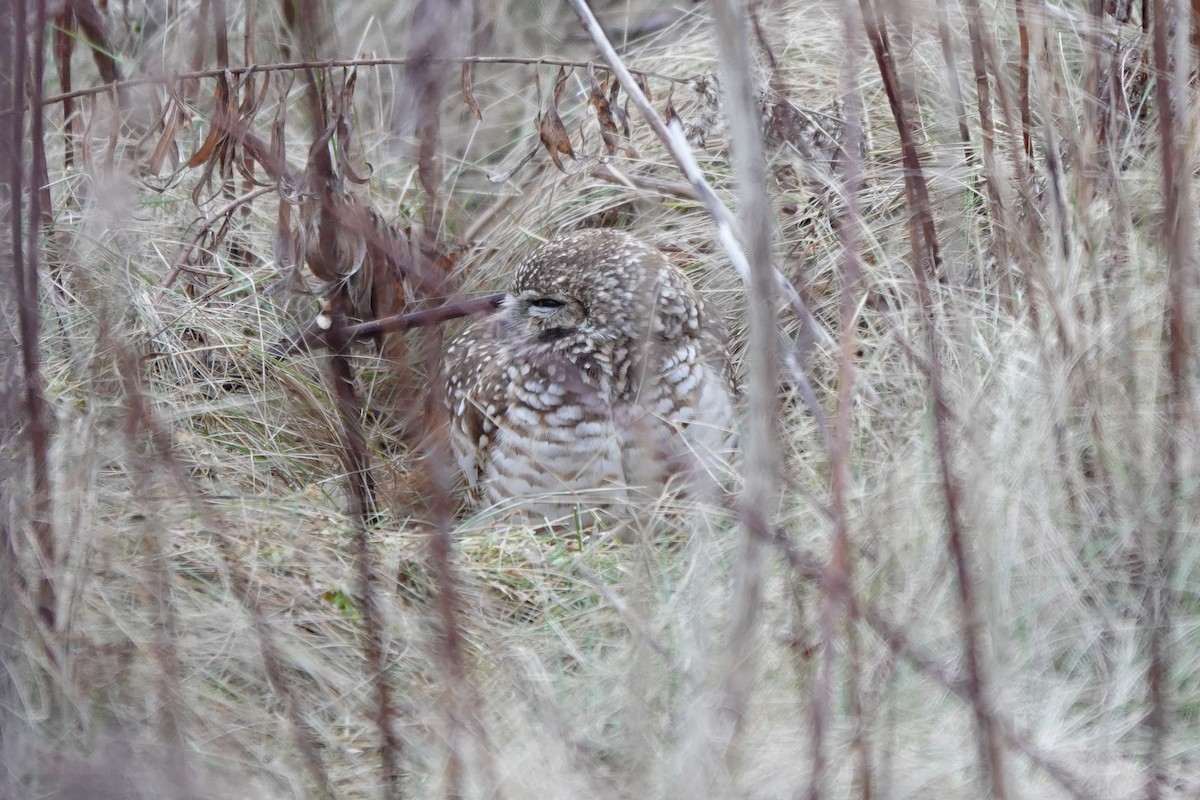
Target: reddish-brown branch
<point>242,580</point>
<point>315,333</point>
<point>991,175</point>
<point>925,266</point>
<point>1023,83</point>
<point>25,250</point>
<point>809,568</point>
<point>837,581</point>
<point>309,27</point>
<point>1159,550</point>
<point>331,63</point>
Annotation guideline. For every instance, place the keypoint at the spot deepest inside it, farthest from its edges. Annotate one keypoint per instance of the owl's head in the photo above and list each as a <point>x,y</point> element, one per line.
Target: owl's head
<point>588,287</point>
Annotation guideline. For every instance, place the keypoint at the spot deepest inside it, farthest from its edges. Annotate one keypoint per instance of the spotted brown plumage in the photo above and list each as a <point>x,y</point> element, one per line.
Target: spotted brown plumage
<point>604,376</point>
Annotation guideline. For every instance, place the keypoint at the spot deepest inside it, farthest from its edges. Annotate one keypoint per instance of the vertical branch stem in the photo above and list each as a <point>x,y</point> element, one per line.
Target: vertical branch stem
<point>837,579</point>
<point>25,279</point>
<point>1159,551</point>
<point>762,448</point>
<point>926,261</point>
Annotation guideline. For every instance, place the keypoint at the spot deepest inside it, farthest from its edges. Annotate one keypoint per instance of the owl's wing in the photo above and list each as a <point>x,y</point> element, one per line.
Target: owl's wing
<point>477,393</point>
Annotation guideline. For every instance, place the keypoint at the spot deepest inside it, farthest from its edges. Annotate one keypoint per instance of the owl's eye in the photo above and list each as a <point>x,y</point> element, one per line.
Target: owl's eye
<point>546,302</point>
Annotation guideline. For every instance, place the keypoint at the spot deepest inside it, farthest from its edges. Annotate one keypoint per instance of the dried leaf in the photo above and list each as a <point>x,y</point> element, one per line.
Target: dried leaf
<point>669,112</point>
<point>344,120</point>
<point>551,129</point>
<point>644,85</point>
<point>467,92</point>
<point>285,243</point>
<point>279,124</point>
<point>560,83</point>
<point>166,142</point>
<point>208,147</point>
<point>554,136</point>
<point>597,100</point>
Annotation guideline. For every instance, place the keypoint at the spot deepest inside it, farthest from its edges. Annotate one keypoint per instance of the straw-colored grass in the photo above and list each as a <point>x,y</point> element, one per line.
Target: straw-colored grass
<point>589,662</point>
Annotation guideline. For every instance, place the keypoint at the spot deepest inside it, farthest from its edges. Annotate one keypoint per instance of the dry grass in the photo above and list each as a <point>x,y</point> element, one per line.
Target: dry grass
<point>209,633</point>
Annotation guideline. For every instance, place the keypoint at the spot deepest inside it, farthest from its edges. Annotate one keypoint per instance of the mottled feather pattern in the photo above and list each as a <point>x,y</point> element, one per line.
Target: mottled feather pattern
<point>604,375</point>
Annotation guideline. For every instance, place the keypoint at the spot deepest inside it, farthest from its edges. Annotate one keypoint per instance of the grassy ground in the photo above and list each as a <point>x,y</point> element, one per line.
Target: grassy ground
<point>210,634</point>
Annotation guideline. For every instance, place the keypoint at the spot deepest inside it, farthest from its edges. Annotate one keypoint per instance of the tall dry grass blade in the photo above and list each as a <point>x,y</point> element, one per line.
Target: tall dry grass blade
<point>925,267</point>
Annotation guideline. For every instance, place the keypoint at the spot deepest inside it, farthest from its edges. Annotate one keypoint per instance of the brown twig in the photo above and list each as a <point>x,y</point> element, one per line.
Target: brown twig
<point>809,568</point>
<point>1023,84</point>
<point>330,63</point>
<point>1159,552</point>
<point>925,267</point>
<point>202,227</point>
<point>838,576</point>
<point>25,252</point>
<point>315,333</point>
<point>762,451</point>
<point>309,24</point>
<point>646,183</point>
<point>991,175</point>
<point>946,38</point>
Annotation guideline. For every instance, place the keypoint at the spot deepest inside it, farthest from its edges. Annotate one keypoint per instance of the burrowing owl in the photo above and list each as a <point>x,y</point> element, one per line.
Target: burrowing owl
<point>605,374</point>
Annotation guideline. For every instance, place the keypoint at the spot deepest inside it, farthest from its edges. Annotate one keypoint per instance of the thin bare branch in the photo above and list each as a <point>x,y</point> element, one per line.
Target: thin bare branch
<point>762,451</point>
<point>315,333</point>
<point>838,576</point>
<point>810,568</point>
<point>926,267</point>
<point>1158,554</point>
<point>323,64</point>
<point>25,243</point>
<point>673,138</point>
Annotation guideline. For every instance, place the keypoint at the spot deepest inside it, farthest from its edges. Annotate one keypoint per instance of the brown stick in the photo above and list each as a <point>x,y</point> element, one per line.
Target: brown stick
<point>315,333</point>
<point>925,267</point>
<point>1159,551</point>
<point>762,452</point>
<point>319,64</point>
<point>808,567</point>
<point>25,251</point>
<point>309,27</point>
<point>838,576</point>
